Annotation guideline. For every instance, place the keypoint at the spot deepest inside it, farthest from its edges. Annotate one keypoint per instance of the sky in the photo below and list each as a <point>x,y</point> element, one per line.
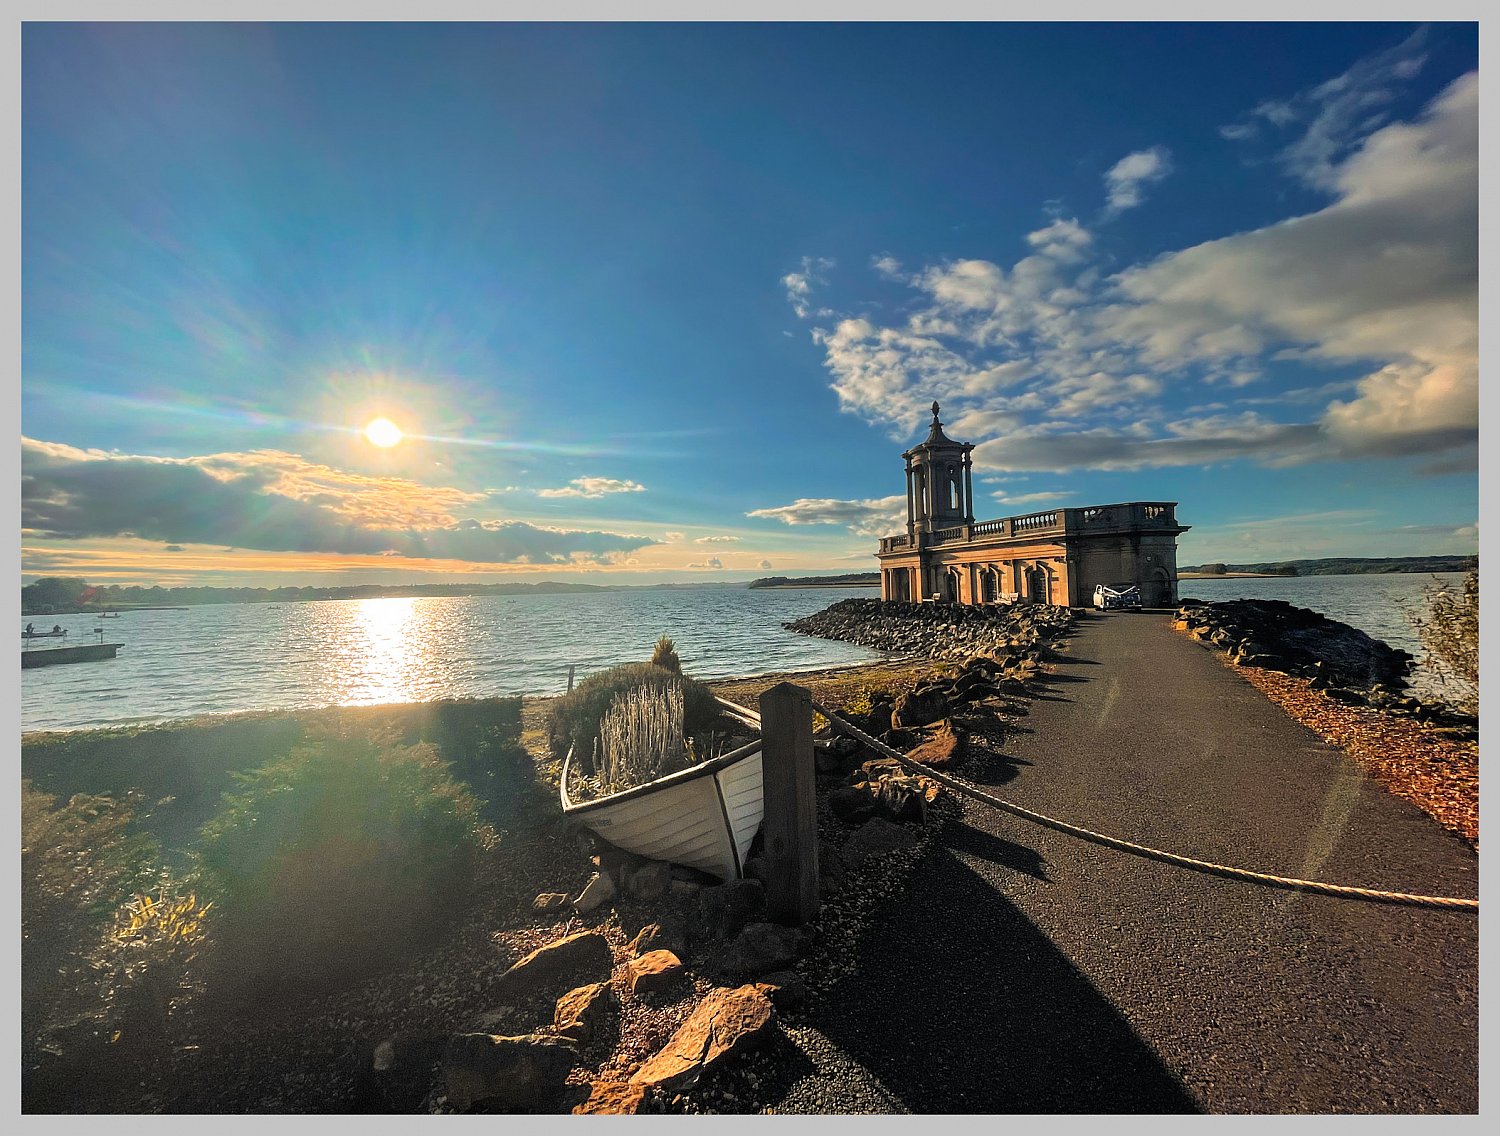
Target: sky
<point>665,302</point>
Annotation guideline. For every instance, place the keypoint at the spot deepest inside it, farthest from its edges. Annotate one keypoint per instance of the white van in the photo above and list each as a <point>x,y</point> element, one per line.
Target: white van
<point>1108,596</point>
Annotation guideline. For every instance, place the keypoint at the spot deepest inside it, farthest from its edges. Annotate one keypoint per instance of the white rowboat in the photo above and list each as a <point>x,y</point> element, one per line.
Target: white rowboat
<point>704,816</point>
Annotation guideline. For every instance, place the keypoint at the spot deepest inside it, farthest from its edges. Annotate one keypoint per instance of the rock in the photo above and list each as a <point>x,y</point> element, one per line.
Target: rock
<point>726,1022</point>
<point>598,891</point>
<point>920,707</point>
<point>650,881</point>
<point>559,966</point>
<point>723,910</point>
<point>404,1051</point>
<point>581,1013</point>
<point>853,804</point>
<point>942,749</point>
<point>760,949</point>
<point>652,971</point>
<point>900,799</point>
<point>613,1098</point>
<point>550,901</point>
<point>683,890</point>
<point>786,988</point>
<point>878,720</point>
<point>876,838</point>
<point>649,938</point>
<point>616,863</point>
<point>523,1073</point>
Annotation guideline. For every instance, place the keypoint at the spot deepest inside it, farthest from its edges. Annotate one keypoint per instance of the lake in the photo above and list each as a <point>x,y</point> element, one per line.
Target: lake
<point>232,657</point>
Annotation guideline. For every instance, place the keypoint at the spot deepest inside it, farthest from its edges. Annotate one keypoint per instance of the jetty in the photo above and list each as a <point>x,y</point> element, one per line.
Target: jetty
<point>84,653</point>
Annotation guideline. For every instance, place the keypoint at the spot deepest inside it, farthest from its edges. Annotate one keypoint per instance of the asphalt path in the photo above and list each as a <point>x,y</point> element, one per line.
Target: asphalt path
<point>1025,971</point>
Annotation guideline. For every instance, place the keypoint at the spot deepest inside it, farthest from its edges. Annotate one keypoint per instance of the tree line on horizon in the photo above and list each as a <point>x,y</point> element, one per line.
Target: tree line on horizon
<point>1344,566</point>
<point>61,595</point>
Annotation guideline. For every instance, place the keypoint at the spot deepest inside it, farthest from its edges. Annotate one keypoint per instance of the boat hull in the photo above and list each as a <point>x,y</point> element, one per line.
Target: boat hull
<point>50,656</point>
<point>703,818</point>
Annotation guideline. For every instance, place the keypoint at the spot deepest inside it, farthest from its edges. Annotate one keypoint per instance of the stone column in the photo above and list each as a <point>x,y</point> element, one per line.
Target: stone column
<point>911,515</point>
<point>968,488</point>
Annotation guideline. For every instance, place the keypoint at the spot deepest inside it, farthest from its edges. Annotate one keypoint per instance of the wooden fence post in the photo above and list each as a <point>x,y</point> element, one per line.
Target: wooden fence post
<point>570,677</point>
<point>791,820</point>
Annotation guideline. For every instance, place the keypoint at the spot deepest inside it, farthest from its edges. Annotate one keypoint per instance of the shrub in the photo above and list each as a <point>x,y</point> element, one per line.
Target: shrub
<point>665,655</point>
<point>78,864</point>
<point>1449,630</point>
<point>145,965</point>
<point>575,716</point>
<point>344,852</point>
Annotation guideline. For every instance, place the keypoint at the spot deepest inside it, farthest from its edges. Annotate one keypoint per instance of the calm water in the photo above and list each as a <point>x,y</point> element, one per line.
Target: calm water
<point>219,659</point>
<point>231,657</point>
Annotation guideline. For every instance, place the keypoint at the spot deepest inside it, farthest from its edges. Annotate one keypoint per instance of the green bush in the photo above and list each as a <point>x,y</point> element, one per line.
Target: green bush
<point>347,851</point>
<point>575,716</point>
<point>665,655</point>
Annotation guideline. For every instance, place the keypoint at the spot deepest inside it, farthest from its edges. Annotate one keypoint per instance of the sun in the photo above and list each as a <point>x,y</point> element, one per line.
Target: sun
<point>384,433</point>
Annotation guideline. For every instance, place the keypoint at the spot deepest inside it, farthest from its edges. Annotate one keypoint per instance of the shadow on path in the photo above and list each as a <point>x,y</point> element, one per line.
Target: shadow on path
<point>961,1005</point>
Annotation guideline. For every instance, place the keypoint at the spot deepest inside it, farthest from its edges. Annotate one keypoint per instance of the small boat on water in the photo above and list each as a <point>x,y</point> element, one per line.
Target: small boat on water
<point>53,634</point>
<point>108,615</point>
<point>704,816</point>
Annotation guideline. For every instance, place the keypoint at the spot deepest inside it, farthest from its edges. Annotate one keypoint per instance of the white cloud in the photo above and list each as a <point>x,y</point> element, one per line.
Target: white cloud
<point>1389,271</point>
<point>711,562</point>
<point>593,487</point>
<point>764,564</point>
<point>672,537</point>
<point>715,539</point>
<point>875,517</point>
<point>887,266</point>
<point>1128,177</point>
<point>1051,362</point>
<point>799,285</point>
<point>1028,498</point>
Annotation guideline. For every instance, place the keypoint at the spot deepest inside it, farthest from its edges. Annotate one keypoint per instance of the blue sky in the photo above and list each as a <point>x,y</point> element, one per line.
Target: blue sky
<point>657,302</point>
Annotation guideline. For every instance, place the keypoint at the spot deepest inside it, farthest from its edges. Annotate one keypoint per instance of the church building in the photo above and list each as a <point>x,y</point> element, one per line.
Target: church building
<point>1056,557</point>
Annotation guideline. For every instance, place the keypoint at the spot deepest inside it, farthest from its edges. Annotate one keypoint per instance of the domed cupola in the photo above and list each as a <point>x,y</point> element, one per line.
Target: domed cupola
<point>939,482</point>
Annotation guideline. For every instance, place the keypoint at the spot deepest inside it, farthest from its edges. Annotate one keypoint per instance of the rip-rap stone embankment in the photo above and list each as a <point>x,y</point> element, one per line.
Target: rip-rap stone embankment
<point>939,631</point>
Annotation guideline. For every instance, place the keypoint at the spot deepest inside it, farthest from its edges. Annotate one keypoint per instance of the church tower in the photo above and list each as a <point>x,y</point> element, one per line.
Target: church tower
<point>939,483</point>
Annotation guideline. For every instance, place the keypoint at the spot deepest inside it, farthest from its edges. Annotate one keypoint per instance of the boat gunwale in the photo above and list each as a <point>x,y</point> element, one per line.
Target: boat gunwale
<point>681,777</point>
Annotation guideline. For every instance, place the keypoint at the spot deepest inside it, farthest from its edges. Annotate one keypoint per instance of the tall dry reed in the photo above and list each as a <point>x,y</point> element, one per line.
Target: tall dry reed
<point>641,737</point>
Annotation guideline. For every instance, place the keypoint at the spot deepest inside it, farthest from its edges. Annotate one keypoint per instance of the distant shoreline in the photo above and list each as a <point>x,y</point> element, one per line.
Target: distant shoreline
<point>1243,575</point>
<point>779,587</point>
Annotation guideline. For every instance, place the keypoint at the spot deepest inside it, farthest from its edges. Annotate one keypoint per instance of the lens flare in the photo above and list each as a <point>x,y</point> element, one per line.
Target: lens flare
<point>384,433</point>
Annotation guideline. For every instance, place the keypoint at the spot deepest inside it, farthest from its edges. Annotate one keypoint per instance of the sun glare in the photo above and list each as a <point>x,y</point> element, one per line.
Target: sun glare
<point>384,433</point>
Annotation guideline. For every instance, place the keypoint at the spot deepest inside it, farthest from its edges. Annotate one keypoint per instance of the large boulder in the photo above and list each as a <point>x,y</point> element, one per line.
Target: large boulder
<point>614,1098</point>
<point>726,1022</point>
<point>569,962</point>
<point>760,949</point>
<point>652,971</point>
<point>920,707</point>
<point>523,1074</point>
<point>877,837</point>
<point>582,1014</point>
<point>650,881</point>
<point>723,910</point>
<point>598,891</point>
<point>942,749</point>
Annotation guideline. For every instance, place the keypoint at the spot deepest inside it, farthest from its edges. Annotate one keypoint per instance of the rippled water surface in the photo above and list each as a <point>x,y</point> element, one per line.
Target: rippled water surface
<point>225,658</point>
<point>231,657</point>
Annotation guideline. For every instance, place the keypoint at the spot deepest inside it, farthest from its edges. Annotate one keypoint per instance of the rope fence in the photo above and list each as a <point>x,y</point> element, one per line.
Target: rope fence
<point>1225,871</point>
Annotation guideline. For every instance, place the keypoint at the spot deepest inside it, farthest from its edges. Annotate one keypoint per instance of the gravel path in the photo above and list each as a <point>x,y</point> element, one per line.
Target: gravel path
<point>1025,971</point>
